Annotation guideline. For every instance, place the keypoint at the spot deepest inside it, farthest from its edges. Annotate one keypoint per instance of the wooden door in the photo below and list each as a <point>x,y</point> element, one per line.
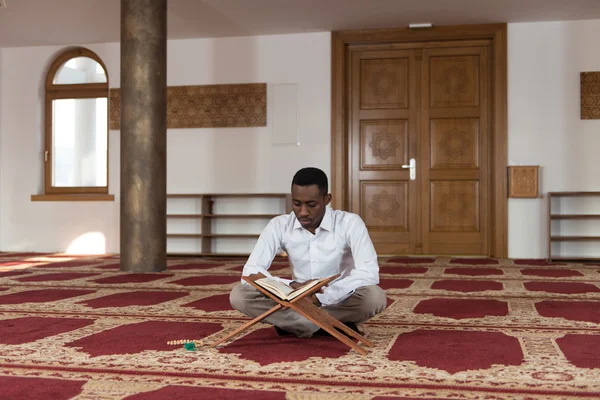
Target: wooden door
<point>383,129</point>
<point>427,101</point>
<point>454,155</point>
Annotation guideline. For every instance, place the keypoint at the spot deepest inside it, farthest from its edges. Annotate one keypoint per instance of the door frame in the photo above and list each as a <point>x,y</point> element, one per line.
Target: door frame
<point>496,34</point>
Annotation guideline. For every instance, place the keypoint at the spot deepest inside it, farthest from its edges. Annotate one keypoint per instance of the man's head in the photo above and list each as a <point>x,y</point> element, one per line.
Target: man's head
<point>310,197</point>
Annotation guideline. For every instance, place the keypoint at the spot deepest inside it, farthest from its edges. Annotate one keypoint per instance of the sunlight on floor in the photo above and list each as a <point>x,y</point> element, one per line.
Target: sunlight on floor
<point>88,243</point>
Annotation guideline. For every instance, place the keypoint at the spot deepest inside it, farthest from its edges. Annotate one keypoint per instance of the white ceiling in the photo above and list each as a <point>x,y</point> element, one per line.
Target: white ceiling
<point>67,22</point>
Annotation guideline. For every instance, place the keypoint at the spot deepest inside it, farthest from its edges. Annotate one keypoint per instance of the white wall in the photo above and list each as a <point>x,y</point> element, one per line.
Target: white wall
<point>199,160</point>
<point>544,62</point>
<point>544,59</point>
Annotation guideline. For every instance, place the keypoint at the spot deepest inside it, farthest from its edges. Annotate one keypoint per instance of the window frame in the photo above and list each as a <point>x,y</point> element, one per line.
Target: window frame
<point>72,91</point>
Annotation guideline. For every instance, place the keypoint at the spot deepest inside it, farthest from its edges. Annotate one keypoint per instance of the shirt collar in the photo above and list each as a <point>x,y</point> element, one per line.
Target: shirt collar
<point>326,222</point>
<point>297,224</point>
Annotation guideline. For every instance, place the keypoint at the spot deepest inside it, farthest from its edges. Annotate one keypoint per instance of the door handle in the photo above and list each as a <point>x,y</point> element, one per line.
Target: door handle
<point>413,169</point>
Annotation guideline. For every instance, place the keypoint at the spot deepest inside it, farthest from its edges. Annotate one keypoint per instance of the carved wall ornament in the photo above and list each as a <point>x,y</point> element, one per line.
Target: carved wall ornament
<point>384,205</point>
<point>455,143</point>
<point>384,83</point>
<point>590,95</point>
<point>207,106</point>
<point>454,205</point>
<point>384,145</point>
<point>524,181</point>
<point>455,80</point>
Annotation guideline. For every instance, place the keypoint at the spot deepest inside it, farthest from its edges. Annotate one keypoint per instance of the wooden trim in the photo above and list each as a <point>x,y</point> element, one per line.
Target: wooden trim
<point>66,56</point>
<point>496,33</point>
<point>78,94</point>
<point>76,87</point>
<point>74,91</point>
<point>499,195</point>
<point>392,35</point>
<point>47,158</point>
<point>338,114</point>
<point>78,190</point>
<point>72,197</point>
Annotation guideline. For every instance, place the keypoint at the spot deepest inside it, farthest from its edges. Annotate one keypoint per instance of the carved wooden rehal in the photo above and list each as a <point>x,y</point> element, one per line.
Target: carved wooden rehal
<point>207,106</point>
<point>590,95</point>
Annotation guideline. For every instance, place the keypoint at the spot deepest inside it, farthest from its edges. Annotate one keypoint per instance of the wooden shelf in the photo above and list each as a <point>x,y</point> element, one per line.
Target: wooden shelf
<point>573,194</point>
<point>574,258</point>
<point>214,235</point>
<point>575,216</point>
<point>570,217</point>
<point>192,254</point>
<point>574,238</point>
<point>205,218</point>
<point>199,195</point>
<point>241,216</point>
<point>279,257</point>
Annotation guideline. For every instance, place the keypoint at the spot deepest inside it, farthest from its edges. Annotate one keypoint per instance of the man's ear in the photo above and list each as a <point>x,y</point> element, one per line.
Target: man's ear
<point>327,198</point>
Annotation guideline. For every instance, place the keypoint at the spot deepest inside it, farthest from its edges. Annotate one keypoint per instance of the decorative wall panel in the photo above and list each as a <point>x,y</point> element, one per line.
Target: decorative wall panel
<point>590,95</point>
<point>207,106</point>
<point>523,181</point>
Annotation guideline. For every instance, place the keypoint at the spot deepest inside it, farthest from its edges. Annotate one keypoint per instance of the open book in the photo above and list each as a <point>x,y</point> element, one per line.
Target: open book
<point>284,291</point>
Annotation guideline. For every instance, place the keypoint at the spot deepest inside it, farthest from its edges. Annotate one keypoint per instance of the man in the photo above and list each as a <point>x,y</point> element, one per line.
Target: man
<point>320,242</point>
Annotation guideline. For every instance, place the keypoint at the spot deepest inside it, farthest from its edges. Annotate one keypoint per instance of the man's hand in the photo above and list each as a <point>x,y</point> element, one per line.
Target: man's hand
<point>315,300</point>
<point>297,285</point>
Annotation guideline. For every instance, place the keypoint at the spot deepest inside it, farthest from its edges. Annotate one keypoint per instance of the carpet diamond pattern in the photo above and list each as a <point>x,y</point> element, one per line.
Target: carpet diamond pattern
<point>76,327</point>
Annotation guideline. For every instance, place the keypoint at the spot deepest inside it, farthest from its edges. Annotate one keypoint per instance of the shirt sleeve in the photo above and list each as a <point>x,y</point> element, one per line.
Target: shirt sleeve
<point>265,250</point>
<point>366,267</point>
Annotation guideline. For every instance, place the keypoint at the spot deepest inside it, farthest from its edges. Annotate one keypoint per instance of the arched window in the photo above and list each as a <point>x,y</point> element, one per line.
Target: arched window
<point>76,153</point>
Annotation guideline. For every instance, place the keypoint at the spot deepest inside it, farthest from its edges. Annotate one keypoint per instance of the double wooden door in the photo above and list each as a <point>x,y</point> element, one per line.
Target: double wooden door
<point>419,148</point>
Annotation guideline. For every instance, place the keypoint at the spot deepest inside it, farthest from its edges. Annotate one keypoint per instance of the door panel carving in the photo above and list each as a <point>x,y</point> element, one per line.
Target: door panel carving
<point>384,83</point>
<point>384,144</point>
<point>454,143</point>
<point>454,81</point>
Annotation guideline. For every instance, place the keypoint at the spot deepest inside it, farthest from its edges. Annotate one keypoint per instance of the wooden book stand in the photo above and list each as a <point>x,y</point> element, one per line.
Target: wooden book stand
<point>305,307</point>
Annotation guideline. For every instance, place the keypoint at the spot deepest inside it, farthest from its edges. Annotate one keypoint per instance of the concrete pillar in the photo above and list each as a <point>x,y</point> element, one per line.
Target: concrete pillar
<point>143,135</point>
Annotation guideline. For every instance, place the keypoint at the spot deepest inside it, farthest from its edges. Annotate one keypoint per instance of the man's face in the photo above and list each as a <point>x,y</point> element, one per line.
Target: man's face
<point>309,205</point>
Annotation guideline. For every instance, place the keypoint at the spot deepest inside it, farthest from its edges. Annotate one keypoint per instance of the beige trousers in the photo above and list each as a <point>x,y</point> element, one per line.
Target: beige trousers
<point>363,304</point>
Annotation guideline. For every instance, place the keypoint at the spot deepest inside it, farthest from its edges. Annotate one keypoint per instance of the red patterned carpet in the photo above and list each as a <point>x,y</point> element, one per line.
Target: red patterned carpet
<point>78,328</point>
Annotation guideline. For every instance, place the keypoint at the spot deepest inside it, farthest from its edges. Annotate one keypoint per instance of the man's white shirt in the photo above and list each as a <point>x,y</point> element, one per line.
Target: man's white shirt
<point>341,244</point>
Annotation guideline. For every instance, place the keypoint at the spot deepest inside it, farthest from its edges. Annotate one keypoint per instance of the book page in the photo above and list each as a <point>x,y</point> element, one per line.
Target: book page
<point>276,287</point>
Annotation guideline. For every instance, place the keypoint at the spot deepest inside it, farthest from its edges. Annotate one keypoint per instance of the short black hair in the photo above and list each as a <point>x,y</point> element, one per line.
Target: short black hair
<point>312,176</point>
